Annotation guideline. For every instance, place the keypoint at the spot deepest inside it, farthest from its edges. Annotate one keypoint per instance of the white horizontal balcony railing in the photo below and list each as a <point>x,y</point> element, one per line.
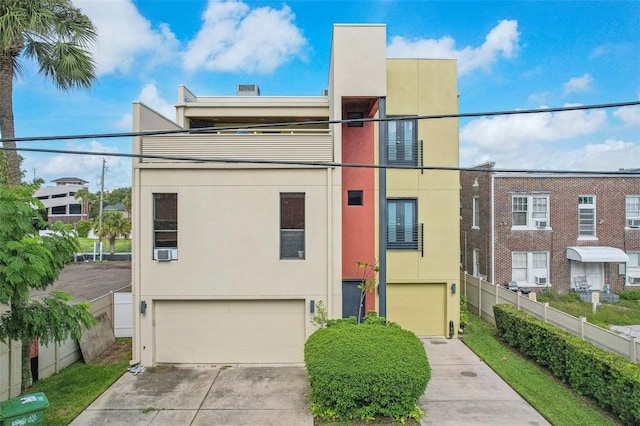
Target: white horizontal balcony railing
<point>281,145</point>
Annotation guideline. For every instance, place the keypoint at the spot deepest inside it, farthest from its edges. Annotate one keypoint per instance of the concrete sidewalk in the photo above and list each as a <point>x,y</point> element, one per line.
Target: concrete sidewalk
<point>463,390</point>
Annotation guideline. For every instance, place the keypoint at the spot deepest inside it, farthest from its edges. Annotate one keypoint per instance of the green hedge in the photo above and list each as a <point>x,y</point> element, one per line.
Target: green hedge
<point>366,370</point>
<point>629,294</point>
<point>610,380</point>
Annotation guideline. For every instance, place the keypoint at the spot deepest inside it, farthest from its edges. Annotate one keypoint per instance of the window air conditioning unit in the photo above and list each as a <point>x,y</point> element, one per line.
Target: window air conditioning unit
<point>634,280</point>
<point>165,254</point>
<point>541,280</point>
<point>633,223</point>
<point>541,223</point>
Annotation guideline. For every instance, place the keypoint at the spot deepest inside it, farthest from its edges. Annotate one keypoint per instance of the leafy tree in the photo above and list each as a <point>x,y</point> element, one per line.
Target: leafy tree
<point>114,225</point>
<point>31,261</point>
<point>89,200</point>
<point>54,34</point>
<point>119,195</point>
<point>367,283</point>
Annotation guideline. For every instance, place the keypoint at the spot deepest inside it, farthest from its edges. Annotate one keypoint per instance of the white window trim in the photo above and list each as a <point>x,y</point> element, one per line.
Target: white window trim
<point>628,217</point>
<point>530,226</point>
<point>530,282</point>
<point>593,237</point>
<point>475,208</point>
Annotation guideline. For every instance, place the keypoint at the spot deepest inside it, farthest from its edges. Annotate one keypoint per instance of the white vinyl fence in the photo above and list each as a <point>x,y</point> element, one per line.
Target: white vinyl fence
<point>55,357</point>
<point>482,295</point>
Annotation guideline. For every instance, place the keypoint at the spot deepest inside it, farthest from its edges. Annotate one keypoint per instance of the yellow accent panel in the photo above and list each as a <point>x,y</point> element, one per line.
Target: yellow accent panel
<point>420,308</point>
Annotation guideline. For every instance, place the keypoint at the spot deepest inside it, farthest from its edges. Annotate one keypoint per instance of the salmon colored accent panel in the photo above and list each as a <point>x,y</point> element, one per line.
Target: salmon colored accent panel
<point>358,222</point>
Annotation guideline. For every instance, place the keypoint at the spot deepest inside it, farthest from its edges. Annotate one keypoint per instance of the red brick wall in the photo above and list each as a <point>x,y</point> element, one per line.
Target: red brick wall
<point>563,191</point>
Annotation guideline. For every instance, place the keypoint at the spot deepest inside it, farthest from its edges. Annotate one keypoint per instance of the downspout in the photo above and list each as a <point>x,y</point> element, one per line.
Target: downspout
<point>329,244</point>
<point>382,207</point>
<point>493,231</point>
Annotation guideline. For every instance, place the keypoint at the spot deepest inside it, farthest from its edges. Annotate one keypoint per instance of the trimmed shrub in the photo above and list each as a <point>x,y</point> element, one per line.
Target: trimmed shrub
<point>366,370</point>
<point>610,380</point>
<point>82,228</point>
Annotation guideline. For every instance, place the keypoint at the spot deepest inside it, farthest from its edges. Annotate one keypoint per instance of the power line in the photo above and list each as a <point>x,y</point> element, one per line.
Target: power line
<point>320,164</point>
<point>317,122</point>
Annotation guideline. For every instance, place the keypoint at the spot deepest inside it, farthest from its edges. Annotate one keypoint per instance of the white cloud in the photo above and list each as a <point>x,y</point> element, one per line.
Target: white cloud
<point>517,132</point>
<point>630,115</point>
<point>502,41</point>
<point>578,84</point>
<point>87,167</point>
<point>124,35</point>
<point>235,38</point>
<point>149,96</point>
<point>611,154</point>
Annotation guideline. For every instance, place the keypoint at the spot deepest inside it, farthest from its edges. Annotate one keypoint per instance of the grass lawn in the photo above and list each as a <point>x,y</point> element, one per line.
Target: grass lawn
<point>74,388</point>
<point>123,245</point>
<point>551,398</point>
<point>624,312</point>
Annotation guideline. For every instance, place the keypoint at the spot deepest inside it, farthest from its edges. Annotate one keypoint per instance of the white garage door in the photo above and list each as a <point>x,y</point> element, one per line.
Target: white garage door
<point>229,331</point>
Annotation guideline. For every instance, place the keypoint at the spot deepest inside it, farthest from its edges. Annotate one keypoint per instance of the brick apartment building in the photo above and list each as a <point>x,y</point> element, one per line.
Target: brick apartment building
<point>560,231</point>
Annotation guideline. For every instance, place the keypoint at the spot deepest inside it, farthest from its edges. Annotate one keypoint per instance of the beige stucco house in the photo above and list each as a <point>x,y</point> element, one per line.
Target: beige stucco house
<point>240,227</point>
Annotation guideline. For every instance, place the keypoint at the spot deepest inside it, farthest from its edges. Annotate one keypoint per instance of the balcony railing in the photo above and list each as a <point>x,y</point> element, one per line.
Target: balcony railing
<point>406,238</point>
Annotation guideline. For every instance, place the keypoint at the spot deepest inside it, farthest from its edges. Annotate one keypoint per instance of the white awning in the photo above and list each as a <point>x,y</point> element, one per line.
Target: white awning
<point>597,254</point>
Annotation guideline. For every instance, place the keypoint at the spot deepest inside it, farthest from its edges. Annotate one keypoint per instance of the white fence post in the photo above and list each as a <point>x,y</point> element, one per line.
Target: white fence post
<point>633,356</point>
<point>480,297</point>
<point>582,321</point>
<point>545,306</point>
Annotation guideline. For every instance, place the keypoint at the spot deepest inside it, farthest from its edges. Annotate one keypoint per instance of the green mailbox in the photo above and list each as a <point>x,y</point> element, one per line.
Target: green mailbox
<point>25,410</point>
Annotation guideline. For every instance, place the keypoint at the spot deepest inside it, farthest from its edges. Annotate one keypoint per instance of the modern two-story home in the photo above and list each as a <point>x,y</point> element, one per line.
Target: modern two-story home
<point>250,210</point>
<point>570,231</point>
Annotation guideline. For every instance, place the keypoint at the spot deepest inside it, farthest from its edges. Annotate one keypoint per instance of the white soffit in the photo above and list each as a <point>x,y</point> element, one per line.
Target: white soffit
<point>597,254</point>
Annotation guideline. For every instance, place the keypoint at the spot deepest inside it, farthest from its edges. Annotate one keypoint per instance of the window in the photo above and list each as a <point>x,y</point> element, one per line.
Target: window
<point>586,216</point>
<point>292,226</point>
<point>633,211</point>
<point>354,198</point>
<point>633,268</point>
<point>530,211</point>
<point>165,221</point>
<point>58,195</point>
<point>476,212</point>
<point>59,210</point>
<point>402,142</point>
<point>75,209</point>
<point>530,267</point>
<point>402,225</point>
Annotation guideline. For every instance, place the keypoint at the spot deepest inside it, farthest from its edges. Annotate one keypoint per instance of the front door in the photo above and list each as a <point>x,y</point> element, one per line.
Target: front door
<point>592,270</point>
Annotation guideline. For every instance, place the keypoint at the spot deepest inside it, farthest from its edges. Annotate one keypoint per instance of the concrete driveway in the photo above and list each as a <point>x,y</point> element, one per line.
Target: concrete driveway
<point>234,395</point>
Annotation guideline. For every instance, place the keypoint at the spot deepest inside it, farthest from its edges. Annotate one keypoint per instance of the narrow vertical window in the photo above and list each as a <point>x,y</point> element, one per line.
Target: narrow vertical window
<point>165,221</point>
<point>519,208</point>
<point>586,216</point>
<point>476,212</point>
<point>292,226</point>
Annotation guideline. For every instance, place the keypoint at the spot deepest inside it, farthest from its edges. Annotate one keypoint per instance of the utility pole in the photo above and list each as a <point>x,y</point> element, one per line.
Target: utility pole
<point>104,163</point>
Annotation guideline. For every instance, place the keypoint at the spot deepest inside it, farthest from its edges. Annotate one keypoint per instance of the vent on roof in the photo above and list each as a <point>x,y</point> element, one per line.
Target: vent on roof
<point>247,90</point>
<point>325,92</point>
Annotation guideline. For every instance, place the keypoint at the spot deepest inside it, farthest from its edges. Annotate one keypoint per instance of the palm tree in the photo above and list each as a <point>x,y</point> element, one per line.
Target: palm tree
<point>57,36</point>
<point>114,225</point>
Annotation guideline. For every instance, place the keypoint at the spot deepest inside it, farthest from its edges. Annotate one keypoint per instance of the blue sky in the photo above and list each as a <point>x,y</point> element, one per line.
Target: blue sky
<point>511,55</point>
